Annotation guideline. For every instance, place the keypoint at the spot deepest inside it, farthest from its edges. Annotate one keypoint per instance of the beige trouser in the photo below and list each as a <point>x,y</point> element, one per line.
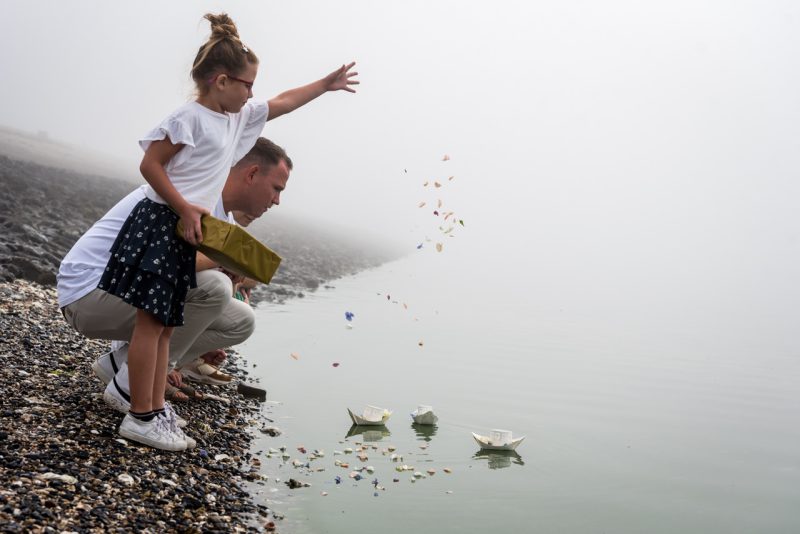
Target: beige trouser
<point>213,319</point>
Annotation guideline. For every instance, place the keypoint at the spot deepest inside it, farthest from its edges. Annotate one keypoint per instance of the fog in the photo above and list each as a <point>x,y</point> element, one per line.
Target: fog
<point>610,134</point>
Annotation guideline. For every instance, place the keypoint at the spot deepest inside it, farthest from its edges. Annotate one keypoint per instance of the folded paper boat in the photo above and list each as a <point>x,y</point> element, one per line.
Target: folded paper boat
<point>424,415</point>
<point>498,440</point>
<point>235,250</point>
<point>372,415</point>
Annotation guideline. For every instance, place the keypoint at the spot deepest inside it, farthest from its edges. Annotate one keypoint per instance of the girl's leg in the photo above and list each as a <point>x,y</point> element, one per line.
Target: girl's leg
<point>159,383</point>
<point>142,355</point>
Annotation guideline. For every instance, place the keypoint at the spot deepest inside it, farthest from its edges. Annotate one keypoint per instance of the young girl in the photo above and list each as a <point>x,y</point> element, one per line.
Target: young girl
<point>186,162</point>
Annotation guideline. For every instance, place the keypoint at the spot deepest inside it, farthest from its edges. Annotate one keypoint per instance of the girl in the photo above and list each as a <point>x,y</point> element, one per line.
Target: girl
<point>187,159</point>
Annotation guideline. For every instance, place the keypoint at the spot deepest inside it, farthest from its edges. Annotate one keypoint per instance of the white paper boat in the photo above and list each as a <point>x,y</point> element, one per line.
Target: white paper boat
<point>372,415</point>
<point>424,415</point>
<point>498,440</point>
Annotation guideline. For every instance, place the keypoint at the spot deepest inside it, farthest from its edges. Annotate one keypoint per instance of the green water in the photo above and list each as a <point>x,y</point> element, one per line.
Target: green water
<point>643,411</point>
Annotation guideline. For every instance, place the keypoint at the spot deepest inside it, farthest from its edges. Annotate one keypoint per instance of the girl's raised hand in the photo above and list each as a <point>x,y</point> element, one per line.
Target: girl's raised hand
<point>192,230</point>
<point>340,79</point>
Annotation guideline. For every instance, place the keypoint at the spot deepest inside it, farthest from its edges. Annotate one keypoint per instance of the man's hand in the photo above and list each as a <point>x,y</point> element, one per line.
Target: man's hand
<point>235,278</point>
<point>214,357</point>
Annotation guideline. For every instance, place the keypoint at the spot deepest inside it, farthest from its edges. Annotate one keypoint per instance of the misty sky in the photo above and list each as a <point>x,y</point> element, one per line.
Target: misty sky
<point>576,130</point>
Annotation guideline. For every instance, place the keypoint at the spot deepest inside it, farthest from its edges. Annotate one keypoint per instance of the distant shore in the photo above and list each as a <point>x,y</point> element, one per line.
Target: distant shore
<point>44,210</point>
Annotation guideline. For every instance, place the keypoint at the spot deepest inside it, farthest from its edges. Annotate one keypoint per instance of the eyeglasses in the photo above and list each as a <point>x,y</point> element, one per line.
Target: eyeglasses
<point>248,85</point>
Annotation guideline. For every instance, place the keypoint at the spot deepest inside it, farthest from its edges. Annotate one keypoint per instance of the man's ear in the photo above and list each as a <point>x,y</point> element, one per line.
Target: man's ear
<point>252,170</point>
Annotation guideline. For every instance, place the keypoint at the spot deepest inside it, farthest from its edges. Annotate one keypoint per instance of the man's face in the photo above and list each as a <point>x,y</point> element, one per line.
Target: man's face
<point>265,190</point>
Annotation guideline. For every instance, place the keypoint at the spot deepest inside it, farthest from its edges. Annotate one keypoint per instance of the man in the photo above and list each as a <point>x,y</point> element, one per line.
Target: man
<point>212,318</point>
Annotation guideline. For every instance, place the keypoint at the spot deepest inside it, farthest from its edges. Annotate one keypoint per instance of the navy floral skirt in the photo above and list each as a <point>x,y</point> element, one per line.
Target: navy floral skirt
<point>150,267</point>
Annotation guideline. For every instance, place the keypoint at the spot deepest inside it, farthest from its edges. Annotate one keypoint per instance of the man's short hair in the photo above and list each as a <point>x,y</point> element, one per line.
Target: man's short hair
<point>267,154</point>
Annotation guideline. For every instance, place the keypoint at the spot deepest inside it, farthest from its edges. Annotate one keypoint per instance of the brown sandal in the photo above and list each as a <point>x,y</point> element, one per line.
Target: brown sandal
<point>171,393</point>
<point>192,393</point>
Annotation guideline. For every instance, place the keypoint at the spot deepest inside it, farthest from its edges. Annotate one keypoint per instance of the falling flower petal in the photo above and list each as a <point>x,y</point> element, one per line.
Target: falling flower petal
<point>461,222</point>
<point>336,364</point>
<point>440,203</point>
<point>436,212</point>
<point>419,246</point>
<point>425,184</point>
<point>420,343</point>
<point>295,356</point>
<point>449,230</point>
<point>388,297</point>
<point>437,184</point>
<point>438,247</point>
<point>405,305</point>
<point>445,158</point>
<point>421,204</point>
<point>349,315</point>
<point>450,177</point>
<point>448,215</point>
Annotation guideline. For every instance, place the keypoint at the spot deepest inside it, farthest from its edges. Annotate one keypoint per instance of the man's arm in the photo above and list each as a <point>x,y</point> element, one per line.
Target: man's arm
<point>204,263</point>
<point>290,100</point>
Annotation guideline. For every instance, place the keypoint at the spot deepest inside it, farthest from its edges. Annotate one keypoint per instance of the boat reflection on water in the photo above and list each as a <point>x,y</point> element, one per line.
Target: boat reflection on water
<point>369,432</point>
<point>424,432</point>
<point>499,459</point>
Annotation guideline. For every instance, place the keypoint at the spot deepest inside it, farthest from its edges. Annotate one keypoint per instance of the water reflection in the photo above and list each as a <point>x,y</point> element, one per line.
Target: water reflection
<point>424,432</point>
<point>499,459</point>
<point>369,432</point>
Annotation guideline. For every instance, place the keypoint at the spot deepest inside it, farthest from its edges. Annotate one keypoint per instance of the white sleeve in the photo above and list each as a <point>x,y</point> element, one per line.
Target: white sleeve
<point>254,125</point>
<point>176,128</point>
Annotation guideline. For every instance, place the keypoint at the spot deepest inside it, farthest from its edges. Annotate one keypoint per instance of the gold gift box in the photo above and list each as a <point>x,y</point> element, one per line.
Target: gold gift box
<point>235,250</point>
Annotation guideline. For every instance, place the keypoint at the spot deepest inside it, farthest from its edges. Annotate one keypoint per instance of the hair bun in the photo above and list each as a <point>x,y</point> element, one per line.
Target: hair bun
<point>222,26</point>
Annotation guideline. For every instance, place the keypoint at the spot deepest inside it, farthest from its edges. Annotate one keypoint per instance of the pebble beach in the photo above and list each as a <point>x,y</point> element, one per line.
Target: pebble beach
<point>64,468</point>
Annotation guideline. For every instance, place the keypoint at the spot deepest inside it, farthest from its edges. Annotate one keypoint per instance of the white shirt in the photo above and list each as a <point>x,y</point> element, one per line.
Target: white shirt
<point>83,266</point>
<point>213,143</point>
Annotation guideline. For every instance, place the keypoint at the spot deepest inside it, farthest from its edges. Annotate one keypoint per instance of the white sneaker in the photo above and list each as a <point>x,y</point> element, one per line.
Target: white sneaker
<point>109,364</point>
<point>172,421</point>
<point>155,433</point>
<point>117,395</point>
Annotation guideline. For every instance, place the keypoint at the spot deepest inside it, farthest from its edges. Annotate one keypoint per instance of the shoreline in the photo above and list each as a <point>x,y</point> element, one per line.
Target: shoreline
<point>65,467</point>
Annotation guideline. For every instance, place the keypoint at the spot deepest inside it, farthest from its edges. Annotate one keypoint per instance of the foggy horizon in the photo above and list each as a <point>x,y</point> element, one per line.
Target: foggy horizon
<point>570,127</point>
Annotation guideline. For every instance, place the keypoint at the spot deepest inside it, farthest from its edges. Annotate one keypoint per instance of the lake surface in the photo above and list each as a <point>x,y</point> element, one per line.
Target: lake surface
<point>655,397</point>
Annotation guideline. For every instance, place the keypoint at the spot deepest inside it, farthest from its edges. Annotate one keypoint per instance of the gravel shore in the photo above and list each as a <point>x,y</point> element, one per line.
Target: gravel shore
<point>63,467</point>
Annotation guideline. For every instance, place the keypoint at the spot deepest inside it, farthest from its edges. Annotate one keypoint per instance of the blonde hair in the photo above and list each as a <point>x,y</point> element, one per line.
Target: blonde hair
<point>223,53</point>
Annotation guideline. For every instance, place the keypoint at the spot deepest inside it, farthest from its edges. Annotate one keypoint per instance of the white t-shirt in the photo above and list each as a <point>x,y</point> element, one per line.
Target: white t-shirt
<point>82,267</point>
<point>213,143</point>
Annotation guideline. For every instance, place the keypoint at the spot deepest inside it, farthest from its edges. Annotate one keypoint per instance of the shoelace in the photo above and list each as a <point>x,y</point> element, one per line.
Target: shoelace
<point>163,425</point>
<point>170,417</point>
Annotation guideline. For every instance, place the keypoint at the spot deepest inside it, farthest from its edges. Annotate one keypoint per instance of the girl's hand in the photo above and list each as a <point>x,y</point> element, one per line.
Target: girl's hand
<point>192,230</point>
<point>340,79</point>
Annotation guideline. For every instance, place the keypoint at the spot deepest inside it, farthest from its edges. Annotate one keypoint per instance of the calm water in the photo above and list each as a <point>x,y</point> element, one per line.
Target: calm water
<point>653,399</point>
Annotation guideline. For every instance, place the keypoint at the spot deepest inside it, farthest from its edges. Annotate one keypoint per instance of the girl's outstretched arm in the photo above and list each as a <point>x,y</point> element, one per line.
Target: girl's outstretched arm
<point>288,101</point>
<point>156,157</point>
